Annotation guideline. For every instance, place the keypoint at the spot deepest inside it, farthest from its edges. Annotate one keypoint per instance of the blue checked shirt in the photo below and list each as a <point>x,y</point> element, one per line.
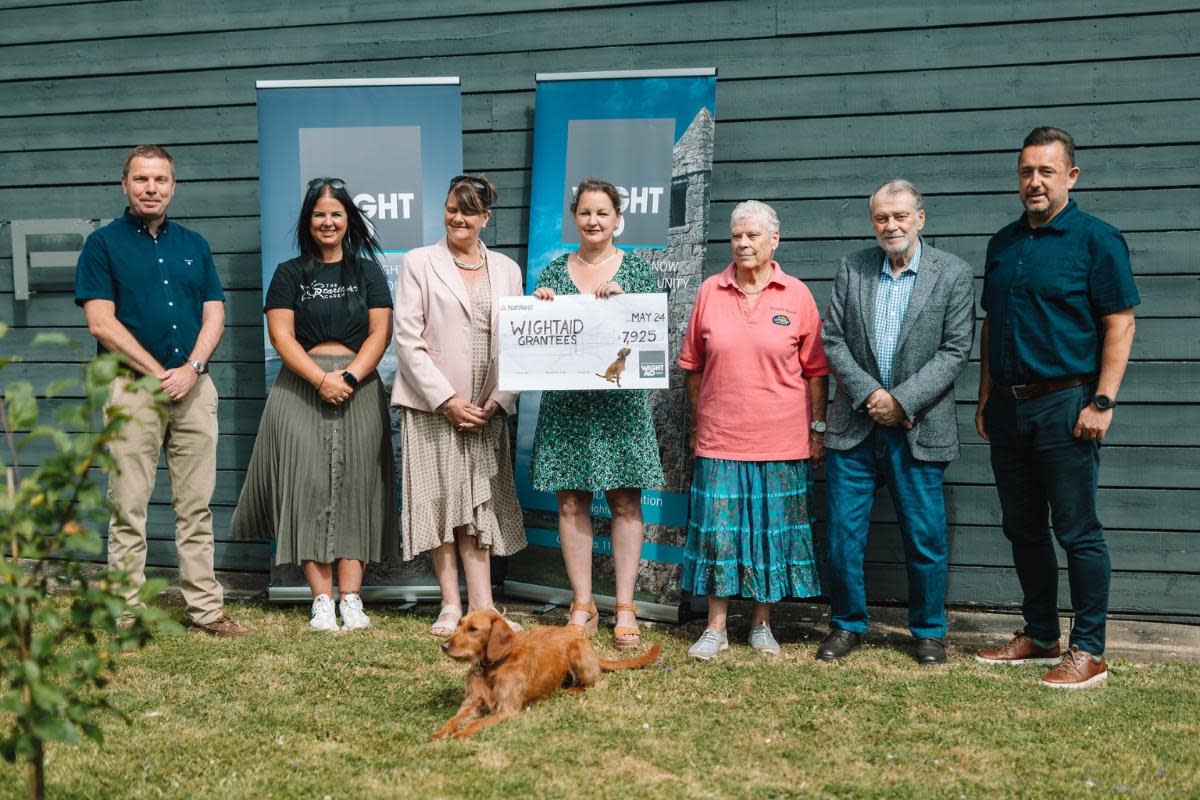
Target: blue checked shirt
<point>891,304</point>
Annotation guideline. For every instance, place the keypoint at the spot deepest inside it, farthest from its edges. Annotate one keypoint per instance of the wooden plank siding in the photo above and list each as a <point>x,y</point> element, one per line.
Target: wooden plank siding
<point>817,102</point>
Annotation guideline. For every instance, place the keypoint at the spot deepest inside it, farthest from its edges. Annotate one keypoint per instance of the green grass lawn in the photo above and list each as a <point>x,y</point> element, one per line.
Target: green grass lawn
<point>294,714</point>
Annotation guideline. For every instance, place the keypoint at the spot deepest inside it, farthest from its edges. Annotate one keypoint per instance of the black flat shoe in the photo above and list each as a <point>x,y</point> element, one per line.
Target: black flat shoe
<point>931,651</point>
<point>838,644</point>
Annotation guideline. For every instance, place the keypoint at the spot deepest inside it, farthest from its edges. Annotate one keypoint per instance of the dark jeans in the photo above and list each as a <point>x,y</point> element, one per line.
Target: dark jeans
<point>916,487</point>
<point>1043,475</point>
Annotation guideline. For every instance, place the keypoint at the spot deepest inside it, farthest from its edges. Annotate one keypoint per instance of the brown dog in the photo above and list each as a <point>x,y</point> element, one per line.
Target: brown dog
<point>613,373</point>
<point>512,670</point>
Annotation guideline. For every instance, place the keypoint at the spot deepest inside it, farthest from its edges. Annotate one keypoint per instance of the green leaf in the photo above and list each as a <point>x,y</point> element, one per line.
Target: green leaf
<point>3,328</point>
<point>42,646</point>
<point>93,732</point>
<point>60,386</point>
<point>8,746</point>
<point>55,730</point>
<point>101,371</point>
<point>21,405</point>
<point>46,697</point>
<point>48,337</point>
<point>151,589</point>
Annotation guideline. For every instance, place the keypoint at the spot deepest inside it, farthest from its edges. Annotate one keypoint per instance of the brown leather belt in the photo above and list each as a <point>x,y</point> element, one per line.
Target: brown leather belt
<point>1028,391</point>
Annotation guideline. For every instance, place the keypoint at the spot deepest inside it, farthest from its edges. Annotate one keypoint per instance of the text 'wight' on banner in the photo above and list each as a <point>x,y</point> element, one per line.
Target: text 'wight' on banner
<point>635,156</point>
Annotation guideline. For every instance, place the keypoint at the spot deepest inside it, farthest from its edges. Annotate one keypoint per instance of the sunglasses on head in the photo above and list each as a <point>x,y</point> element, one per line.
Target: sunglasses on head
<point>336,183</point>
<point>478,183</point>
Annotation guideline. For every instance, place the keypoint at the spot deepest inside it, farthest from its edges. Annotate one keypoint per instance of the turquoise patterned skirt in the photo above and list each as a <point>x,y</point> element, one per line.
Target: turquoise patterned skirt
<point>749,534</point>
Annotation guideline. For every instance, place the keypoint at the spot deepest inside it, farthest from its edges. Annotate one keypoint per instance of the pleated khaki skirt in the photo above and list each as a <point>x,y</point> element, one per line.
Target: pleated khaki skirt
<point>321,480</point>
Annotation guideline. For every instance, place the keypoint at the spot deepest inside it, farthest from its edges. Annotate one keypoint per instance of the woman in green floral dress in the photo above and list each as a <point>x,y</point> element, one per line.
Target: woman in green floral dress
<point>590,441</point>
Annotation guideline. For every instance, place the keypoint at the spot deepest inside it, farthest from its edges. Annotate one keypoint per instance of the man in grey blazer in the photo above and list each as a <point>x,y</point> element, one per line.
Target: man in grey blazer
<point>897,333</point>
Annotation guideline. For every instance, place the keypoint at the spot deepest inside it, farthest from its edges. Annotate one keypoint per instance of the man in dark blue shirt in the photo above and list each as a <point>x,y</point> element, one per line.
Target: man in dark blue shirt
<point>1058,295</point>
<point>149,290</point>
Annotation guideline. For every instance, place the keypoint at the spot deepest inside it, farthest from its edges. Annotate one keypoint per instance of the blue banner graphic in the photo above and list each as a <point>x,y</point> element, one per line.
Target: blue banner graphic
<point>395,142</point>
<point>650,134</point>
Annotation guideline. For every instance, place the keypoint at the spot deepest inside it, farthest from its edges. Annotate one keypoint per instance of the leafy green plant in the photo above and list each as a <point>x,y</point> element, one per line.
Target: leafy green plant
<point>63,620</point>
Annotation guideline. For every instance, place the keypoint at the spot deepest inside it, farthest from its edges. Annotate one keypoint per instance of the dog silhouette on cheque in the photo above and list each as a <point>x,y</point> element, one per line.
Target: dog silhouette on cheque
<point>613,373</point>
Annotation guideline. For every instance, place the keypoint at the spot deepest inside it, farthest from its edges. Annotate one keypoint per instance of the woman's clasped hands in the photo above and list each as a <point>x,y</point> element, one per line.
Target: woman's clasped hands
<point>334,389</point>
<point>467,416</point>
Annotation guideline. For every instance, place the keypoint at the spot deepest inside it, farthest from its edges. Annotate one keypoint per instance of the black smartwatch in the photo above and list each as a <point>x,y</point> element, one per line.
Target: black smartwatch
<point>1104,402</point>
<point>349,378</point>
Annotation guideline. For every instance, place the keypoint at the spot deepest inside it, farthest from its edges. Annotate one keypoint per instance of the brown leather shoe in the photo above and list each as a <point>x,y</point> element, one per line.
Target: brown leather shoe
<point>1077,670</point>
<point>1020,649</point>
<point>221,626</point>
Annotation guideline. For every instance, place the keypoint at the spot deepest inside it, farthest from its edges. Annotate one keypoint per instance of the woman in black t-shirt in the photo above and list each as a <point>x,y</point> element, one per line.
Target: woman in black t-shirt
<point>321,480</point>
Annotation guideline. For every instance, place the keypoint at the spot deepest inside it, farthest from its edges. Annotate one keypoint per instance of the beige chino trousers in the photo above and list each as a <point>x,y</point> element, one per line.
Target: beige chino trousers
<point>188,432</point>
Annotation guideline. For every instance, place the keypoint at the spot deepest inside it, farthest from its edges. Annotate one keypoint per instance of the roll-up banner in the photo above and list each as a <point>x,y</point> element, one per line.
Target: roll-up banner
<point>651,134</point>
<point>396,143</point>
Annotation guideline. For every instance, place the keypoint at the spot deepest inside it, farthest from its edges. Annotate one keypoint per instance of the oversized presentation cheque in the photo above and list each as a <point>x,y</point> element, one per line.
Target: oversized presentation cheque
<point>579,342</point>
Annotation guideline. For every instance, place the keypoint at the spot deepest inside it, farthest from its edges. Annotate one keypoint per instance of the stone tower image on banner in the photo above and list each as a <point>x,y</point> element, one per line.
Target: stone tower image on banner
<point>679,269</point>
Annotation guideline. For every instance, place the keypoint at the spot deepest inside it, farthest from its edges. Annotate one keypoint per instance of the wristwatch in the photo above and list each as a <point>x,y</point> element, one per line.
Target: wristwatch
<point>199,366</point>
<point>817,426</point>
<point>349,378</point>
<point>1104,402</point>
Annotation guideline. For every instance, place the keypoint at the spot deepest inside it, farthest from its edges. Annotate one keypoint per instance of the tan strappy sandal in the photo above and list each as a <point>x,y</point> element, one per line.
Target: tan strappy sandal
<point>593,621</point>
<point>627,637</point>
<point>447,621</point>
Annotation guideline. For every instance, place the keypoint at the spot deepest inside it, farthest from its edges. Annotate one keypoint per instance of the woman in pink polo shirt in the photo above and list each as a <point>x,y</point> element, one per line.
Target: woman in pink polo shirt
<point>757,387</point>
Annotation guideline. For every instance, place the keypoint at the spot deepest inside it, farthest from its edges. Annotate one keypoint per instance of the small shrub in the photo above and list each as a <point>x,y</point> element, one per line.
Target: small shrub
<point>63,620</point>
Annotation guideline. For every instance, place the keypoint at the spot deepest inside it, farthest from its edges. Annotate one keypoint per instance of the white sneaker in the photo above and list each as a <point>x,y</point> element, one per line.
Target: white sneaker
<point>709,645</point>
<point>353,616</point>
<point>322,618</point>
<point>762,640</point>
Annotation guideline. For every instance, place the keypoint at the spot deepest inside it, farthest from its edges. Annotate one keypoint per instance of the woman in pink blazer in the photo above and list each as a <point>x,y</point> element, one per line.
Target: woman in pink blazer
<point>458,500</point>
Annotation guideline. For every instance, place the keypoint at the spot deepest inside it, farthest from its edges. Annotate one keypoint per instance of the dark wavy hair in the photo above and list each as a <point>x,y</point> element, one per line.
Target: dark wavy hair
<point>359,244</point>
<point>597,185</point>
<point>360,241</point>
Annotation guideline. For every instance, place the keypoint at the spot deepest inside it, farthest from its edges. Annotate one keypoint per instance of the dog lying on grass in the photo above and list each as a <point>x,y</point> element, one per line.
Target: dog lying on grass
<point>512,670</point>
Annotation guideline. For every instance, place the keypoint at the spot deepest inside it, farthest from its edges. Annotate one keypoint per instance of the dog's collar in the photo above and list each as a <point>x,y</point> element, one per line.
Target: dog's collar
<point>483,666</point>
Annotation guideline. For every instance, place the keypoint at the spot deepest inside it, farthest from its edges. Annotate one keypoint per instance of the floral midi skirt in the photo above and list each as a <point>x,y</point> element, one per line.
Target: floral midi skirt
<point>749,534</point>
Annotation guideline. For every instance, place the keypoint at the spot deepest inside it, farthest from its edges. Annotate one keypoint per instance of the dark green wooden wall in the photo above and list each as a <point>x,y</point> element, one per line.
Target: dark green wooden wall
<point>817,102</point>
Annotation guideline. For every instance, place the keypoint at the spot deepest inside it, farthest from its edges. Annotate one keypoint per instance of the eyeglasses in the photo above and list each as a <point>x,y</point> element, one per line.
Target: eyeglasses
<point>336,183</point>
<point>478,183</point>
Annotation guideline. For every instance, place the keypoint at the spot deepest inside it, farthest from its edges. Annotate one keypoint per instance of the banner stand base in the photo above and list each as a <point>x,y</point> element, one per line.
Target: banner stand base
<point>658,612</point>
<point>370,594</point>
<point>415,593</point>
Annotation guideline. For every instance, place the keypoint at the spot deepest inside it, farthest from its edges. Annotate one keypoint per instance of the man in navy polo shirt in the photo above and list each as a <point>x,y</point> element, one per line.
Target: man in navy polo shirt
<point>1058,294</point>
<point>149,290</point>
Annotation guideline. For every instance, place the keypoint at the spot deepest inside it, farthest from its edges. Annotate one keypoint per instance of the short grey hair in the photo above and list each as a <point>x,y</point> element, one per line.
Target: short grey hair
<point>753,209</point>
<point>895,186</point>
